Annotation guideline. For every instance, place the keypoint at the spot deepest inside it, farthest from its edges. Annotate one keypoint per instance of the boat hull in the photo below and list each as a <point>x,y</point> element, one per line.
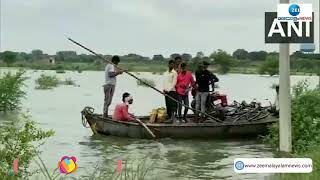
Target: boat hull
<point>225,130</point>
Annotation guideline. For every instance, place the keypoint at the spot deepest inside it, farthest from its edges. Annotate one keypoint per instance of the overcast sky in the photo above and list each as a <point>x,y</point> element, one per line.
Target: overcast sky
<point>145,27</point>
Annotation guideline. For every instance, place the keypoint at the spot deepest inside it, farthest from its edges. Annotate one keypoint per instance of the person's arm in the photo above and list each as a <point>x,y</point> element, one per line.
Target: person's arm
<point>165,84</point>
<point>214,78</point>
<point>112,72</point>
<point>193,82</point>
<point>125,114</point>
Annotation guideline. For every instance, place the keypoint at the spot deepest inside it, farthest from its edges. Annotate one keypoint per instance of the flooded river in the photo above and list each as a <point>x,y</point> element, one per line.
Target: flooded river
<point>59,110</point>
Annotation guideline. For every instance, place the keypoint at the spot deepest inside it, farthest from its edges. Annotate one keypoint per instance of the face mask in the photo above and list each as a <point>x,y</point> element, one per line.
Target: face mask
<point>127,99</point>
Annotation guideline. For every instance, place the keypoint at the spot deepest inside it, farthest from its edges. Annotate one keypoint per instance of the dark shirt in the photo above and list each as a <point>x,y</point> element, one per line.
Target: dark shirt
<point>204,78</point>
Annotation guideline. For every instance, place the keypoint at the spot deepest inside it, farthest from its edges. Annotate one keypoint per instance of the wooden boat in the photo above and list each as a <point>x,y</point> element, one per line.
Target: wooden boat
<point>209,130</point>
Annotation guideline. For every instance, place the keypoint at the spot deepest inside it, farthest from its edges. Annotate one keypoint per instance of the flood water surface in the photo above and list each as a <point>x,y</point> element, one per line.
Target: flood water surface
<point>59,109</point>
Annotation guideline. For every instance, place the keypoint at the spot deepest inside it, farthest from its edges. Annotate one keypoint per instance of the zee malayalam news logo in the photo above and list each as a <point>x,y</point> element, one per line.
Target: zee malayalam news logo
<point>292,23</point>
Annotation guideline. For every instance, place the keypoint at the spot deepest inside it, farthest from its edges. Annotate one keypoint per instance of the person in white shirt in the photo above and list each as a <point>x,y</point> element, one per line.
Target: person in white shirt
<point>110,83</point>
<point>170,90</point>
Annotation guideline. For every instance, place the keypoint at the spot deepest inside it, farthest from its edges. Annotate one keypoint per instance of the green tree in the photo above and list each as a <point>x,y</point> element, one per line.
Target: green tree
<point>9,57</point>
<point>11,91</point>
<point>172,56</point>
<point>223,60</point>
<point>158,57</point>
<point>270,66</point>
<point>37,52</point>
<point>200,54</point>
<point>186,57</point>
<point>257,55</point>
<point>240,54</point>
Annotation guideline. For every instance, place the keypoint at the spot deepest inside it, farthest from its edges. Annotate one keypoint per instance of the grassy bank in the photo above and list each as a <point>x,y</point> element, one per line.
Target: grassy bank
<point>305,130</point>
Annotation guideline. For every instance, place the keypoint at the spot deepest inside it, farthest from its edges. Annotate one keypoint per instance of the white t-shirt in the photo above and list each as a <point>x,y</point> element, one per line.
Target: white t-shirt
<point>110,80</point>
<point>170,80</point>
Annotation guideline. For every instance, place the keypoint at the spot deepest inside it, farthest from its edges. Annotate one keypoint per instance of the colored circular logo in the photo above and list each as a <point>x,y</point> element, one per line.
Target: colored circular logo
<point>294,10</point>
<point>239,165</point>
<point>67,165</point>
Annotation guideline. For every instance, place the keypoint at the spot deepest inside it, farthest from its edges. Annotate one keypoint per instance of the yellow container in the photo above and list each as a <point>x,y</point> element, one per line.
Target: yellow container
<point>153,116</point>
<point>161,115</point>
<point>158,115</point>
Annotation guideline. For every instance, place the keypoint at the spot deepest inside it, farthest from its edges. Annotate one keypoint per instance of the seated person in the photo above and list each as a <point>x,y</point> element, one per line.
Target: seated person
<point>121,111</point>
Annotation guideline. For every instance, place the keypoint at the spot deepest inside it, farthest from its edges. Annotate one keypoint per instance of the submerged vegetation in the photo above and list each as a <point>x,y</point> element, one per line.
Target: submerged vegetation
<point>49,82</point>
<point>11,92</point>
<point>68,81</point>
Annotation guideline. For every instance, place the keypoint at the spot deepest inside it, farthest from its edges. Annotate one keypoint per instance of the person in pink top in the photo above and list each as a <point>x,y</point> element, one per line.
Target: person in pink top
<point>185,81</point>
<point>121,112</point>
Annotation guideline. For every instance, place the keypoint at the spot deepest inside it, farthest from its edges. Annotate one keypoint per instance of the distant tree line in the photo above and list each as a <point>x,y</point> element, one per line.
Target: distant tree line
<point>266,62</point>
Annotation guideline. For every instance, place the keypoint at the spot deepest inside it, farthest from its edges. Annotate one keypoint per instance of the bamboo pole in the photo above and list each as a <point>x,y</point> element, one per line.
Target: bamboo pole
<point>132,75</point>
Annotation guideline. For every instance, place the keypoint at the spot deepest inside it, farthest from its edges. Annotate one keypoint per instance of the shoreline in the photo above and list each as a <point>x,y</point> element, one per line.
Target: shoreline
<point>159,69</point>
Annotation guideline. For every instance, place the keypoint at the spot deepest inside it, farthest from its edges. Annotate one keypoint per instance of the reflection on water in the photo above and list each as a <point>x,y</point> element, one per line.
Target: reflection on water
<point>59,109</point>
<point>183,159</point>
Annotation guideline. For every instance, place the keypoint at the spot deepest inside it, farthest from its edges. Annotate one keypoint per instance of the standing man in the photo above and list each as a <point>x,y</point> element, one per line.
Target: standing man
<point>169,89</point>
<point>184,83</point>
<point>203,80</point>
<point>111,73</point>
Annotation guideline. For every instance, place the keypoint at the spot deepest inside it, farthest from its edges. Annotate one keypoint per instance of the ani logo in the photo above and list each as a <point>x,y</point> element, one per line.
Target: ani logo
<point>67,165</point>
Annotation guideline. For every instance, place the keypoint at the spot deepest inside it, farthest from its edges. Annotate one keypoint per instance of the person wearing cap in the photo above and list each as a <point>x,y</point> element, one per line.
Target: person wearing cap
<point>185,82</point>
<point>203,80</point>
<point>169,89</point>
<point>111,74</point>
<point>121,112</point>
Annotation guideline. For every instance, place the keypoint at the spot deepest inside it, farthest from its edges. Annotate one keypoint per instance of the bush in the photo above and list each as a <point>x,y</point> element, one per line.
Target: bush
<point>47,82</point>
<point>223,60</point>
<point>20,142</point>
<point>68,81</point>
<point>305,120</point>
<point>270,66</point>
<point>11,91</point>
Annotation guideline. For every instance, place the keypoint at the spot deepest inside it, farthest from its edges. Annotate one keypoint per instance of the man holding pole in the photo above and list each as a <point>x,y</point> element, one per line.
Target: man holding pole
<point>111,72</point>
<point>169,89</point>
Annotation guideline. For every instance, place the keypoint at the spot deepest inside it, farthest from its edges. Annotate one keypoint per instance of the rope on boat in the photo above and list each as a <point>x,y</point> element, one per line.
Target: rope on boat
<point>84,112</point>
